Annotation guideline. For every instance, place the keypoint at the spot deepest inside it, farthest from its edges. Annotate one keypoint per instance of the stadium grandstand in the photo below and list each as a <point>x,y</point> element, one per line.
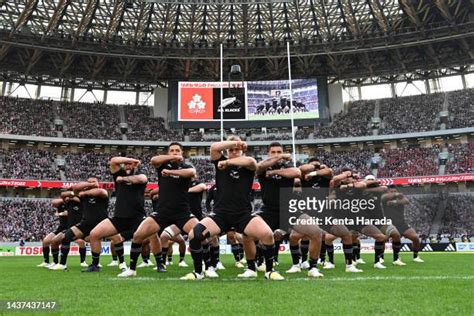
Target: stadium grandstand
<point>382,89</point>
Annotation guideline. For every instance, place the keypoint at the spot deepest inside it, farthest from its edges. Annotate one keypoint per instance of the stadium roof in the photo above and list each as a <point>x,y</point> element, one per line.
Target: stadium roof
<point>150,41</point>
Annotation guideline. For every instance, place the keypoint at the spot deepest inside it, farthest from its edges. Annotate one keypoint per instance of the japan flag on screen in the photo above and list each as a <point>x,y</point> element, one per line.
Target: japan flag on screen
<point>196,104</point>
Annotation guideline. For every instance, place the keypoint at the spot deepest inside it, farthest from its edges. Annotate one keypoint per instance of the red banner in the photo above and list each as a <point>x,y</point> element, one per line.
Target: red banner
<point>465,177</point>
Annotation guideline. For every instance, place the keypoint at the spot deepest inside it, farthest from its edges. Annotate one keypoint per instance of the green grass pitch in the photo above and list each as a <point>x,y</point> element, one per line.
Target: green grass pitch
<point>443,285</point>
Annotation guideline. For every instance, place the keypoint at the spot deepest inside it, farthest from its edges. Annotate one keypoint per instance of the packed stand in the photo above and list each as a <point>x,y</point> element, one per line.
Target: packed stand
<point>358,160</point>
<point>204,168</point>
<point>421,210</point>
<point>142,126</point>
<point>26,117</point>
<point>461,108</point>
<point>80,166</point>
<point>407,162</point>
<point>90,120</point>
<point>354,122</point>
<point>28,164</point>
<point>27,219</point>
<point>458,218</point>
<point>461,160</point>
<point>410,114</point>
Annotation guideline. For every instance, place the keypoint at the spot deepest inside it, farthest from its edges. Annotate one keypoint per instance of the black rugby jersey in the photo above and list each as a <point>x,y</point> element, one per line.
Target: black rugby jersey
<point>173,189</point>
<point>234,186</point>
<point>270,187</point>
<point>130,200</point>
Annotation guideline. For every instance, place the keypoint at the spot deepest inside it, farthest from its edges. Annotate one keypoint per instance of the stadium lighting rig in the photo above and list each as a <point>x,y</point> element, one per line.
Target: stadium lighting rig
<point>211,2</point>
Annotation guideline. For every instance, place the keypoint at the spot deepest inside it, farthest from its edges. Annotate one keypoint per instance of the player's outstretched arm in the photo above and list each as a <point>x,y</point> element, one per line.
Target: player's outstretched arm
<point>95,192</point>
<point>271,161</point>
<point>246,162</point>
<point>182,173</point>
<point>81,186</point>
<point>218,147</point>
<point>336,180</point>
<point>289,173</point>
<point>308,167</point>
<point>161,159</point>
<point>136,179</point>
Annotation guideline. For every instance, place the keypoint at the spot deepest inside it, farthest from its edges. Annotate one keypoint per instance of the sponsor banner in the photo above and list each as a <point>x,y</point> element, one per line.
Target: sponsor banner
<point>464,177</point>
<point>366,247</point>
<point>256,186</point>
<point>465,246</point>
<point>201,101</point>
<point>69,184</point>
<point>7,251</point>
<point>38,251</point>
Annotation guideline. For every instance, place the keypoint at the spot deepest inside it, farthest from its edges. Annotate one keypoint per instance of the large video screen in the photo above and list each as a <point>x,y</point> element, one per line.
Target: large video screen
<point>252,100</point>
<point>270,100</point>
<point>201,101</point>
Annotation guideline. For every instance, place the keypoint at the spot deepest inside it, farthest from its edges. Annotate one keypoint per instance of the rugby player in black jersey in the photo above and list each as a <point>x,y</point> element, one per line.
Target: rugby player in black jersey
<point>174,177</point>
<point>340,184</point>
<point>274,174</point>
<point>93,203</point>
<point>374,191</point>
<point>195,194</point>
<point>234,238</point>
<point>61,213</point>
<point>154,240</point>
<point>315,176</point>
<point>129,212</point>
<point>74,211</point>
<point>232,208</point>
<point>393,203</point>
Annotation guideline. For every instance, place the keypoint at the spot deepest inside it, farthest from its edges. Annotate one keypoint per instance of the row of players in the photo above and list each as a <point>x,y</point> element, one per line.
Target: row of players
<point>232,211</point>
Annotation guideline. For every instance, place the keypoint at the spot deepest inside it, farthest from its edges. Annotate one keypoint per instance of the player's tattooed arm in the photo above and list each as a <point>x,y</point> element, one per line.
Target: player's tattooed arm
<point>269,162</point>
<point>289,173</point>
<point>322,172</point>
<point>309,167</point>
<point>116,163</point>
<point>94,192</point>
<point>182,173</point>
<point>161,159</point>
<point>136,179</point>
<point>81,186</point>
<point>336,180</point>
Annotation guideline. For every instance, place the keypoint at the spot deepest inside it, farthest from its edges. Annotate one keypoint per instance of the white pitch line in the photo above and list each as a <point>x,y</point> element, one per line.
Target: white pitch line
<point>337,279</point>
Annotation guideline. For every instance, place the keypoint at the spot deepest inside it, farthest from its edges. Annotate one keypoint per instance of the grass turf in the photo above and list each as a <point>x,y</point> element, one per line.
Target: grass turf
<point>444,284</point>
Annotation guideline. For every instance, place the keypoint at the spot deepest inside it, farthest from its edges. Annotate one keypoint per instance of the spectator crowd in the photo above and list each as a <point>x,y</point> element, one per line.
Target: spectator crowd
<point>102,121</point>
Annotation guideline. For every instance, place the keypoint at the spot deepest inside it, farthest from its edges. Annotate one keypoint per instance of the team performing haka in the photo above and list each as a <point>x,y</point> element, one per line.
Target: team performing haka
<point>177,211</point>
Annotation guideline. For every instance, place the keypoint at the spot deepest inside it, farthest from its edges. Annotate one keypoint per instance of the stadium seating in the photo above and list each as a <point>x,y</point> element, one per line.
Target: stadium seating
<point>86,120</point>
<point>26,163</point>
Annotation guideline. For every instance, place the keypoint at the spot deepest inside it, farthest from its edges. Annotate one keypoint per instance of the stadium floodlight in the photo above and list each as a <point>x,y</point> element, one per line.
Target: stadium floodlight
<point>213,2</point>
<point>235,69</point>
<point>236,81</point>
